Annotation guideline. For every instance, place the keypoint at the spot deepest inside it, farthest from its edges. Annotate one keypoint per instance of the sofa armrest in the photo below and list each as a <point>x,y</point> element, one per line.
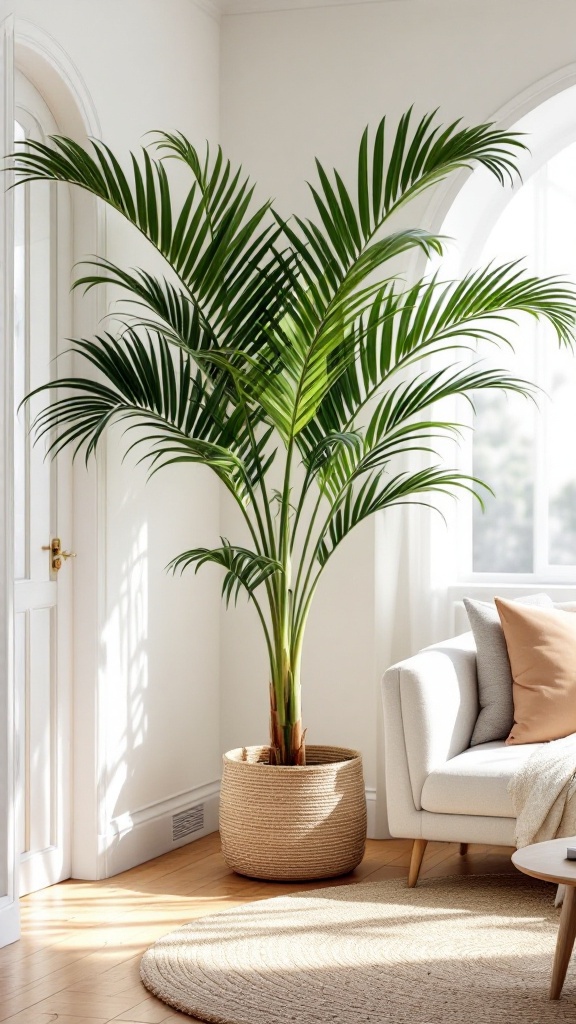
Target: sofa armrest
<point>430,707</point>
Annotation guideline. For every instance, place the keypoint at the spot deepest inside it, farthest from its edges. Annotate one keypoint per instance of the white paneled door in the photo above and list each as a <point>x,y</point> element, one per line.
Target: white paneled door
<point>43,560</point>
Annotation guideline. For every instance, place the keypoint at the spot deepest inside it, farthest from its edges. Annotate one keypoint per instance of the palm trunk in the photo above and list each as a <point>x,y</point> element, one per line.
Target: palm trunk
<point>286,733</point>
<point>287,737</point>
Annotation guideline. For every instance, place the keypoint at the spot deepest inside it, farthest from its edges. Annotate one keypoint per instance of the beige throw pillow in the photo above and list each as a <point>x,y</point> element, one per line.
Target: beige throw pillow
<point>541,646</point>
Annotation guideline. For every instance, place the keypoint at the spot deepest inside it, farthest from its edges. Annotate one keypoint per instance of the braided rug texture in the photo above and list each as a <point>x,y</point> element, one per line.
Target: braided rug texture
<point>451,951</point>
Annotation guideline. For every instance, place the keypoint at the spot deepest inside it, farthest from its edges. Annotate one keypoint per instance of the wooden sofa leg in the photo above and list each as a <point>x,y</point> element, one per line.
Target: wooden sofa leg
<point>418,849</point>
<point>463,849</point>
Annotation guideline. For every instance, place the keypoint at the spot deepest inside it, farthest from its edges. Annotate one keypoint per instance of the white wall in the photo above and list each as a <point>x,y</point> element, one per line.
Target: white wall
<point>147,663</point>
<point>304,83</point>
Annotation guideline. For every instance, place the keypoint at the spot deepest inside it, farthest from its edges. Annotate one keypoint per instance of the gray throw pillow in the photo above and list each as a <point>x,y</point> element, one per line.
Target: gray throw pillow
<point>496,715</point>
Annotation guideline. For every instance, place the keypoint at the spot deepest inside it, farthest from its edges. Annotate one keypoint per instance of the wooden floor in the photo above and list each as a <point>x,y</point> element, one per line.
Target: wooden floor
<point>78,959</point>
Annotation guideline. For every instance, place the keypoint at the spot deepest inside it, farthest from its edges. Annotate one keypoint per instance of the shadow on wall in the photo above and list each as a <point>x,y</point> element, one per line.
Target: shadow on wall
<point>124,720</point>
<point>159,749</point>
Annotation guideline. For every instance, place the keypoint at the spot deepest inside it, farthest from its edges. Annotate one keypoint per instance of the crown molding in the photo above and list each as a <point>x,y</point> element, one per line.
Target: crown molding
<point>214,8</point>
<point>237,7</point>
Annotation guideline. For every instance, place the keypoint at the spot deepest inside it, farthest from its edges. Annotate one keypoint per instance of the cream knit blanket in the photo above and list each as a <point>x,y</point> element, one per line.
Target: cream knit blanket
<point>542,792</point>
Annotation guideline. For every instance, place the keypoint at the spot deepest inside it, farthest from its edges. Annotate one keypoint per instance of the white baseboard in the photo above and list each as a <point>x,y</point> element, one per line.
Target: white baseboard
<point>150,831</point>
<point>9,921</point>
<point>371,829</point>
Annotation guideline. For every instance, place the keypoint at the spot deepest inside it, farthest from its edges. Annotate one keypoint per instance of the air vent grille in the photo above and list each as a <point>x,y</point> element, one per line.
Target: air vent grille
<point>186,822</point>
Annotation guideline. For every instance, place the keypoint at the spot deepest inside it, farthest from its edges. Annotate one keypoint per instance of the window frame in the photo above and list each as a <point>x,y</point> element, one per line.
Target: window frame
<point>544,572</point>
<point>469,215</point>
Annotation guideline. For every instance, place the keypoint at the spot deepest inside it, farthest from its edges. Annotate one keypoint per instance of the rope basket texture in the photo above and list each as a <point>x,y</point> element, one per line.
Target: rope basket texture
<point>287,823</point>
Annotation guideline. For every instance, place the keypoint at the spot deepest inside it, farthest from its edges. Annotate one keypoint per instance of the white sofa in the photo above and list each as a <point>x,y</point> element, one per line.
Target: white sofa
<point>437,786</point>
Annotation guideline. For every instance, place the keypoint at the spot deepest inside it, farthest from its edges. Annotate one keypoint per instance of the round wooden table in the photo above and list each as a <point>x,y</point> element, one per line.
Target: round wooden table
<point>549,862</point>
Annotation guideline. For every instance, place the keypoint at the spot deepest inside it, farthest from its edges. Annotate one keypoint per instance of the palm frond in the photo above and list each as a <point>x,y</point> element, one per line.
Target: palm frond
<point>401,165</point>
<point>209,228</point>
<point>163,305</point>
<point>374,496</point>
<point>189,420</point>
<point>221,250</point>
<point>293,372</point>
<point>432,316</point>
<point>244,568</point>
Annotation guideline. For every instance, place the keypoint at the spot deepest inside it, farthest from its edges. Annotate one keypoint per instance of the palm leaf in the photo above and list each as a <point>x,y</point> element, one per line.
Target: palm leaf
<point>418,157</point>
<point>374,496</point>
<point>430,317</point>
<point>145,388</point>
<point>244,568</point>
<point>396,170</point>
<point>300,347</point>
<point>218,248</point>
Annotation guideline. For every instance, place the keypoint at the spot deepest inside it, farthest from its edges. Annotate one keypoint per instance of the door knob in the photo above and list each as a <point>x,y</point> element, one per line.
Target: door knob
<point>55,547</point>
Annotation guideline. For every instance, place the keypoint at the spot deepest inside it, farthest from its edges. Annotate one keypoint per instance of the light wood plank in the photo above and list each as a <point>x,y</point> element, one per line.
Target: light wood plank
<point>148,1011</point>
<point>30,1017</point>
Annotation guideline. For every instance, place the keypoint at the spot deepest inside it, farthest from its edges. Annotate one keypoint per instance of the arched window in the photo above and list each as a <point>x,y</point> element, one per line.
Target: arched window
<point>526,538</point>
<point>526,453</point>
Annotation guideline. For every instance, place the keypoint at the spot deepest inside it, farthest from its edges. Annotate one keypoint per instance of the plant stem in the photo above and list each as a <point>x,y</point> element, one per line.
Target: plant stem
<point>286,736</point>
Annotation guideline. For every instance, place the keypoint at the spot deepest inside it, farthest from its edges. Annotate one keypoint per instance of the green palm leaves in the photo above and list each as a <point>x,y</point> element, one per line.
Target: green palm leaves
<point>293,344</point>
<point>243,567</point>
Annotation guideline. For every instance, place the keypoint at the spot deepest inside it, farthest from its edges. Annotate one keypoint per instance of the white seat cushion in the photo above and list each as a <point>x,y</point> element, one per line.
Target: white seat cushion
<point>476,781</point>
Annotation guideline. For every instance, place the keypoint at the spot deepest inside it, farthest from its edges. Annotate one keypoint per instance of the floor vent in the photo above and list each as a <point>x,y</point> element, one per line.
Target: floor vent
<point>186,822</point>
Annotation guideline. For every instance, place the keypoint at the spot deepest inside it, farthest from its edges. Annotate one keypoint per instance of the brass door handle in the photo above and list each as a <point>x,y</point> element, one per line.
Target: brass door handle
<point>55,547</point>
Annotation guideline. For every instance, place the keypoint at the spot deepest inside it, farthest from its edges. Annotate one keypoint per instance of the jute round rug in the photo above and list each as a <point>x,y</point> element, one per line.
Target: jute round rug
<point>475,949</point>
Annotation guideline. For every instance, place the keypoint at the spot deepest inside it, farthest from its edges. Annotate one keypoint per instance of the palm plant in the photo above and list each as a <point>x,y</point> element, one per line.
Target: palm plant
<point>287,351</point>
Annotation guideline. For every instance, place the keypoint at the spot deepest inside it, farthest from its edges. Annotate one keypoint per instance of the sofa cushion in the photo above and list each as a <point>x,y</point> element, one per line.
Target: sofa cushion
<point>542,650</point>
<point>476,781</point>
<point>494,676</point>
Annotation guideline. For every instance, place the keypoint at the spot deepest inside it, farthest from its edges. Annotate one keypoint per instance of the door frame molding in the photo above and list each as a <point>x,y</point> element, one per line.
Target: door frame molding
<point>41,59</point>
<point>49,68</point>
<point>9,912</point>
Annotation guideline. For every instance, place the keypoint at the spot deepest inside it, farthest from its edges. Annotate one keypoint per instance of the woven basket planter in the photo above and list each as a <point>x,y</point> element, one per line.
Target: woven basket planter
<point>293,823</point>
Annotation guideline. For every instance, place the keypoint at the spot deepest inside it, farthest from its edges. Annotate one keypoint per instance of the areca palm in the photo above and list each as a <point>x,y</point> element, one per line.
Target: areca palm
<point>288,351</point>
